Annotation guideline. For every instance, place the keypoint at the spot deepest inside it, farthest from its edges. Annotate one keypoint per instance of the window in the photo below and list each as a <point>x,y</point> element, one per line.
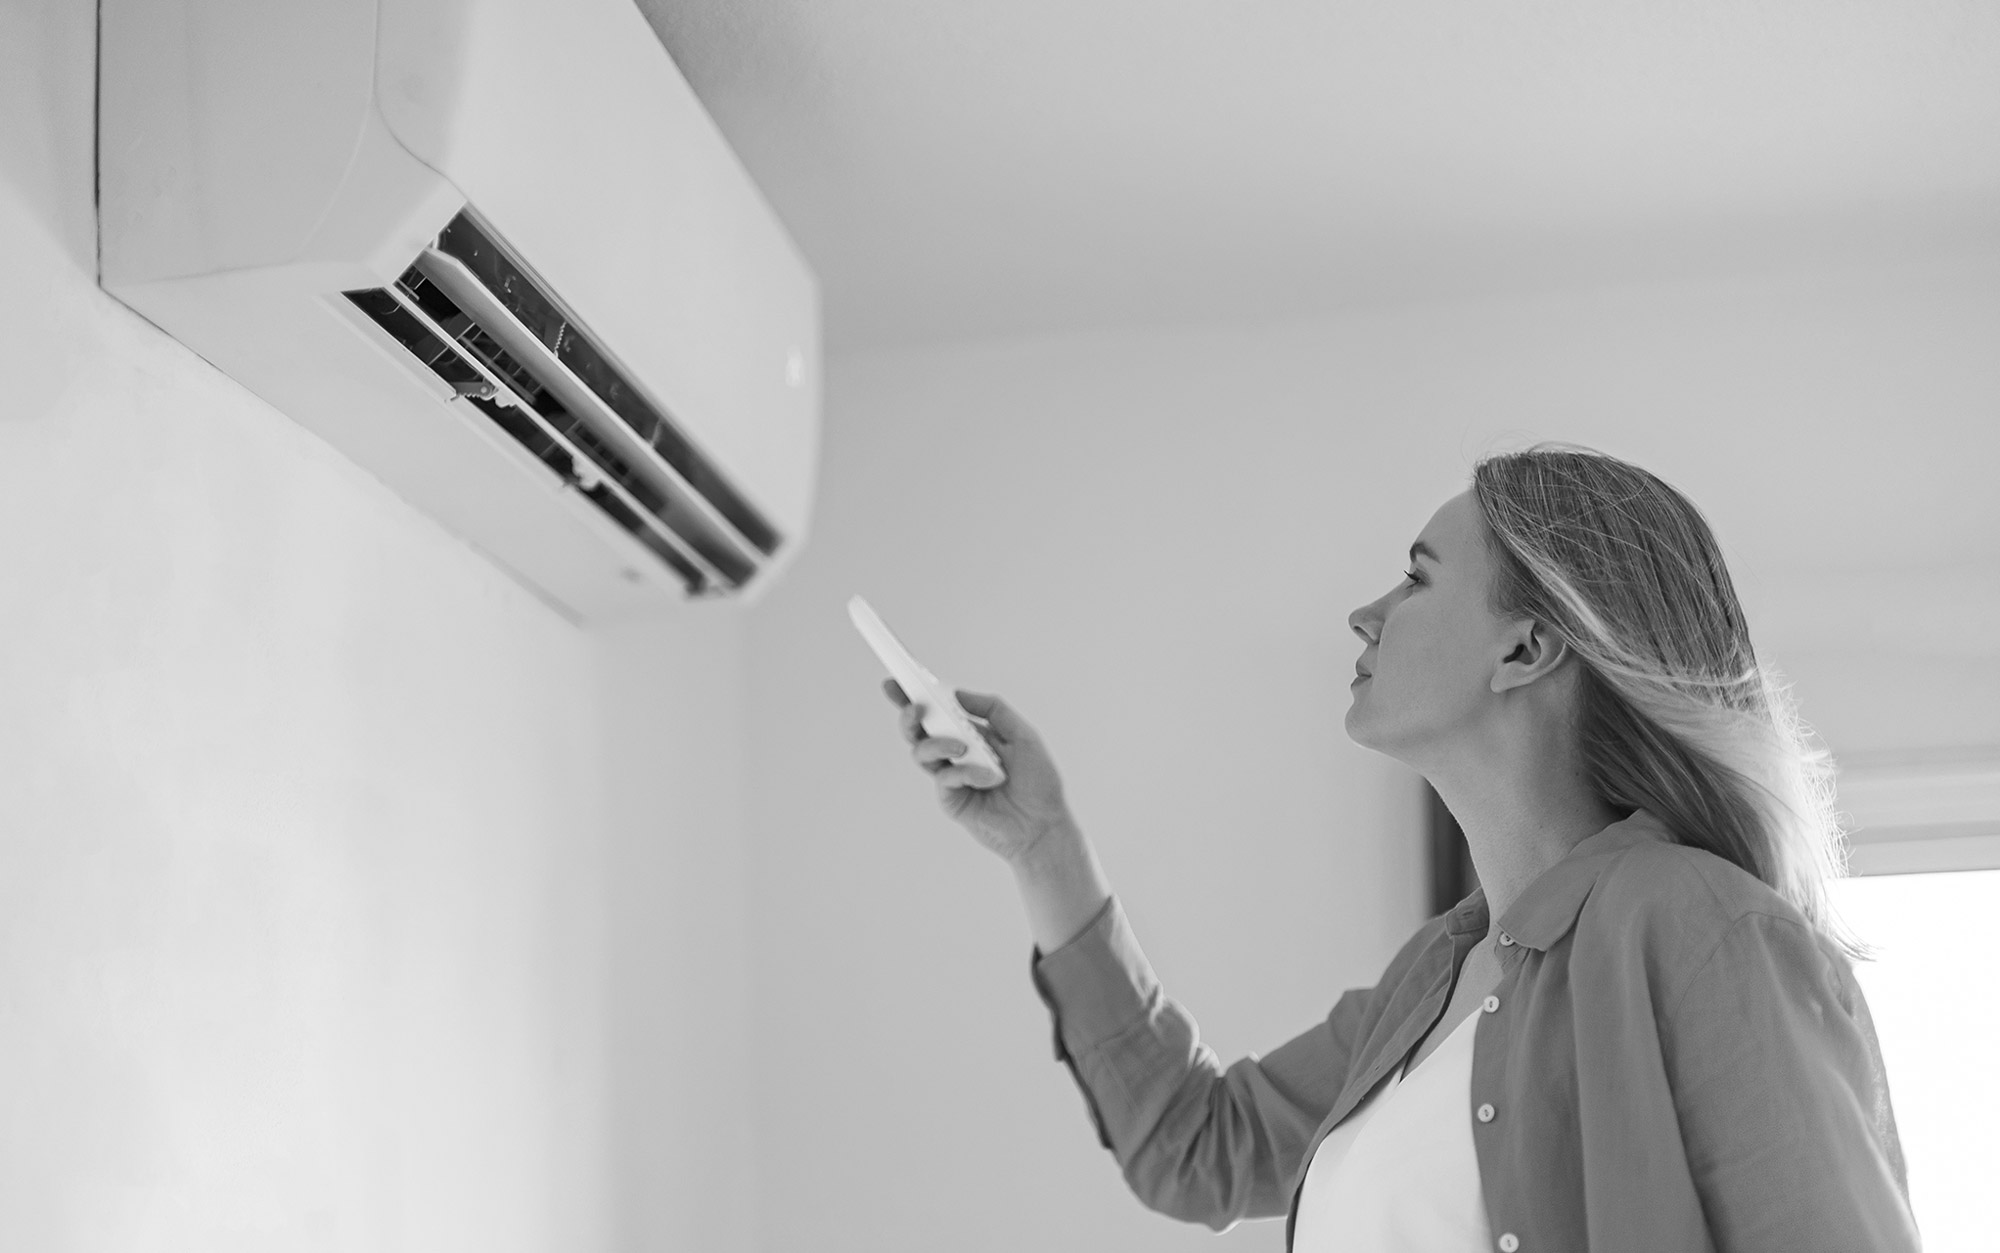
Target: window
<point>1926,859</point>
<point>1934,990</point>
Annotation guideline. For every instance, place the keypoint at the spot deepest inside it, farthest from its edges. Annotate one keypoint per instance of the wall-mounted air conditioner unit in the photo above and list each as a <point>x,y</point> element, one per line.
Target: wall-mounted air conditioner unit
<point>492,250</point>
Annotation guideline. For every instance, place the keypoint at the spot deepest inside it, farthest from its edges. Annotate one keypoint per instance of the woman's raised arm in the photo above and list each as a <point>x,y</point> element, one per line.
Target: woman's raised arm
<point>1024,821</point>
<point>1194,1139</point>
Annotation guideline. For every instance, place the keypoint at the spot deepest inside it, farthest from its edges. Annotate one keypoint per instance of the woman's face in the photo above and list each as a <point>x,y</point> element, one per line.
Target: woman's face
<point>1432,645</point>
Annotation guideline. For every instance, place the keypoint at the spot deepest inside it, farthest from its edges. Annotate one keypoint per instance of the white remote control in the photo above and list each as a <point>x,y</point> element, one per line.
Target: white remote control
<point>943,715</point>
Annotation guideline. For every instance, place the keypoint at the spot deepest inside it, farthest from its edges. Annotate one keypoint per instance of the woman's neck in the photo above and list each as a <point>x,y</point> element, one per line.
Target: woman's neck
<point>1524,802</point>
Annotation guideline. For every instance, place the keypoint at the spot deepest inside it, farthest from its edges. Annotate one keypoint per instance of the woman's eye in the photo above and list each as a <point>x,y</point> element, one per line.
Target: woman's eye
<point>1412,576</point>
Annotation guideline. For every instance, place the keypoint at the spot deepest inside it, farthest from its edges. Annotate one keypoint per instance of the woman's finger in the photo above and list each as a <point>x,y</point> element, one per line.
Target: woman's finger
<point>952,776</point>
<point>937,749</point>
<point>976,777</point>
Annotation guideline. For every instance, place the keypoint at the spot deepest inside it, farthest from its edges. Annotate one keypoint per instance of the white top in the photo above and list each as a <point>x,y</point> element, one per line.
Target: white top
<point>1399,1174</point>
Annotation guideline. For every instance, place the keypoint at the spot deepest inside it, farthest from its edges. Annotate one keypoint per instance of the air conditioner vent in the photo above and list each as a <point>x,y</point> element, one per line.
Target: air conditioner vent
<point>537,311</point>
<point>525,427</point>
<point>473,315</point>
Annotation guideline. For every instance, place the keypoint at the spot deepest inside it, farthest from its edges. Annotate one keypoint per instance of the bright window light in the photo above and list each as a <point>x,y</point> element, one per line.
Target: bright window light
<point>1936,1000</point>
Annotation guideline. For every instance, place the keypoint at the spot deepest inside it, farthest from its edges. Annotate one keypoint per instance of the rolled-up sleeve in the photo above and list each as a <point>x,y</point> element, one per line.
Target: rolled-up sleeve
<point>1782,1099</point>
<point>1194,1140</point>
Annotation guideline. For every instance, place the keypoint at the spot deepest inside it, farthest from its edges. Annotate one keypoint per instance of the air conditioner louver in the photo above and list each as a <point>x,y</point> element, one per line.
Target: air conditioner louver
<point>474,315</point>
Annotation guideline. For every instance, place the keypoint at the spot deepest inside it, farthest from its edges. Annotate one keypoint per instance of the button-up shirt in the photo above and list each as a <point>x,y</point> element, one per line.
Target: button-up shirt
<point>1675,1059</point>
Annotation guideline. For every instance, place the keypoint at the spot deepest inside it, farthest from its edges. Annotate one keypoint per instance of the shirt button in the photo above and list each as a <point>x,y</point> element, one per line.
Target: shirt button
<point>1509,1242</point>
<point>1506,940</point>
<point>1490,1004</point>
<point>1484,1113</point>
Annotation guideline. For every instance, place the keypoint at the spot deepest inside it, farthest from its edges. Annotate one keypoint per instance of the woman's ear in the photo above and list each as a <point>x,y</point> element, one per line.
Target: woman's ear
<point>1535,651</point>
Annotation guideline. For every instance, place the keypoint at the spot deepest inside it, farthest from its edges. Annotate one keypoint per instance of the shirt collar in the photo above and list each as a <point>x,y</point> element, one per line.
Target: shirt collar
<point>1548,909</point>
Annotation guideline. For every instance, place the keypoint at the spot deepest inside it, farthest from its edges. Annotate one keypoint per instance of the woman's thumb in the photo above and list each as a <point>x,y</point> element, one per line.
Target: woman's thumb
<point>990,707</point>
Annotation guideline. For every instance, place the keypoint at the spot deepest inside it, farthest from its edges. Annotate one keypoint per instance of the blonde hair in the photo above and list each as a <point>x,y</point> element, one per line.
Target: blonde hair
<point>1675,714</point>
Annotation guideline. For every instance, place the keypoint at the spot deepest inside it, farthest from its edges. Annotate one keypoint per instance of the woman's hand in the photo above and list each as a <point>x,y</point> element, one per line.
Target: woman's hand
<point>1009,819</point>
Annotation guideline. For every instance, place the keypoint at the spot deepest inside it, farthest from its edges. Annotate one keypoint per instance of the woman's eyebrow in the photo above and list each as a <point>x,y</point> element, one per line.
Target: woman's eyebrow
<point>1425,549</point>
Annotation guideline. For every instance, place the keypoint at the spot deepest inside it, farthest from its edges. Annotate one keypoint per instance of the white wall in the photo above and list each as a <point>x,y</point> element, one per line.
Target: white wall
<point>349,898</point>
<point>677,945</point>
<point>1149,541</point>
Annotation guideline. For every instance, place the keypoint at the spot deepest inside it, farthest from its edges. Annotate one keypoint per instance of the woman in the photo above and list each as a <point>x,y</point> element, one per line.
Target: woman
<point>1641,1033</point>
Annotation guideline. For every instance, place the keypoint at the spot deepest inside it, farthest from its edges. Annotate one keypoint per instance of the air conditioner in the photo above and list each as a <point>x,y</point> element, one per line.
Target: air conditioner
<point>492,250</point>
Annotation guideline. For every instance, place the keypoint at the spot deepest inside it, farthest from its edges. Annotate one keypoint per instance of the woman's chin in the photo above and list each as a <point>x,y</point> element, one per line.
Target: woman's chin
<point>1363,728</point>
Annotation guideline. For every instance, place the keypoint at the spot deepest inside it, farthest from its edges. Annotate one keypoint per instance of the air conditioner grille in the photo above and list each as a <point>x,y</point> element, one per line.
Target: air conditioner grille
<point>522,381</point>
<point>413,335</point>
<point>542,315</point>
<point>449,342</point>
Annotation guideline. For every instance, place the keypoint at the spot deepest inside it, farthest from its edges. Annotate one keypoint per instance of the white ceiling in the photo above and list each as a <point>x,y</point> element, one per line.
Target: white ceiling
<point>960,168</point>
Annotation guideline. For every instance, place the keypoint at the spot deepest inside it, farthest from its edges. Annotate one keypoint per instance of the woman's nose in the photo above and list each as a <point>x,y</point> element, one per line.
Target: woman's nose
<point>1365,622</point>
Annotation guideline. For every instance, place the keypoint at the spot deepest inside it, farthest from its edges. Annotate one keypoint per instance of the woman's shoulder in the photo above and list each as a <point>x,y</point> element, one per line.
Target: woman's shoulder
<point>1666,875</point>
<point>1675,904</point>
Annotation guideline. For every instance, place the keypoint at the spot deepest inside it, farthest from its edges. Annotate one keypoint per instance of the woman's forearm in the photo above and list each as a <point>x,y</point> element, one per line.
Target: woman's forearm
<point>1062,885</point>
